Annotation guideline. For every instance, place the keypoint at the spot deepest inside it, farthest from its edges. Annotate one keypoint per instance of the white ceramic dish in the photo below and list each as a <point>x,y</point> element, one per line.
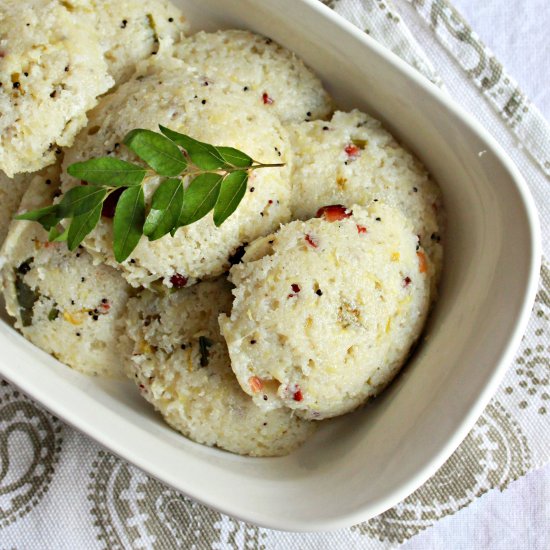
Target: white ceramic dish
<point>359,465</point>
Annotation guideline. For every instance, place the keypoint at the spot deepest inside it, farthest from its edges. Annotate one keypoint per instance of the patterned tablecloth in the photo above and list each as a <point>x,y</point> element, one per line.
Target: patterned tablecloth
<point>60,490</point>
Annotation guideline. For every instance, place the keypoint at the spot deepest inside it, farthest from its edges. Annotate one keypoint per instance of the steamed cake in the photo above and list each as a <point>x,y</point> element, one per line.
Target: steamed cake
<point>60,300</point>
<point>179,360</point>
<point>131,31</point>
<point>327,310</point>
<point>179,100</point>
<point>353,160</point>
<point>258,69</point>
<point>11,192</point>
<point>52,70</point>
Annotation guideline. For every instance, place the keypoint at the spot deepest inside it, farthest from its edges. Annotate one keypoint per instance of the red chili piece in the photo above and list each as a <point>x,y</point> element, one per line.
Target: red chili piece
<point>333,213</point>
<point>298,395</point>
<point>104,307</point>
<point>361,229</point>
<point>178,281</point>
<point>255,384</point>
<point>352,150</point>
<point>266,99</point>
<point>295,289</point>
<point>406,281</point>
<point>310,241</point>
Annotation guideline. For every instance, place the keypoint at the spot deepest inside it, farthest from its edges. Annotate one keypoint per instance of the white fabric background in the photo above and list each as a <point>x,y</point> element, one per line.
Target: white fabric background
<point>517,33</point>
<point>519,518</point>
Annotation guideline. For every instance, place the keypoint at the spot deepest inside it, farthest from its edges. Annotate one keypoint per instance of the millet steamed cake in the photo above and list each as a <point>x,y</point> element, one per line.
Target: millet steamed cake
<point>57,57</point>
<point>325,312</point>
<point>179,100</point>
<point>322,312</point>
<point>11,192</point>
<point>52,70</point>
<point>179,360</point>
<point>60,300</point>
<point>259,70</point>
<point>352,159</point>
<point>131,31</point>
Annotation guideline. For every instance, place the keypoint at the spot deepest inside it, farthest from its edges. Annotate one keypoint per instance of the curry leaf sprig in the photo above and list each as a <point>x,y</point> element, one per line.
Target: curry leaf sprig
<point>196,178</point>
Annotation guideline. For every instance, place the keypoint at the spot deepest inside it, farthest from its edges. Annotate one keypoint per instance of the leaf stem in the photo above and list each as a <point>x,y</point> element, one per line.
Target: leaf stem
<point>215,177</point>
<point>200,171</point>
<point>260,165</point>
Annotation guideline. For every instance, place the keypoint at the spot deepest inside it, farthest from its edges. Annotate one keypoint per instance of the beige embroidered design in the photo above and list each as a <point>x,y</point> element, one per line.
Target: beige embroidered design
<point>132,510</point>
<point>494,454</point>
<point>532,367</point>
<point>30,443</point>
